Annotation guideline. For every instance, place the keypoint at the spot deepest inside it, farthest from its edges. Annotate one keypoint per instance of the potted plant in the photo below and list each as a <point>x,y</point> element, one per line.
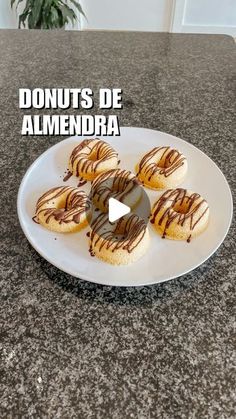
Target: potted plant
<point>48,14</point>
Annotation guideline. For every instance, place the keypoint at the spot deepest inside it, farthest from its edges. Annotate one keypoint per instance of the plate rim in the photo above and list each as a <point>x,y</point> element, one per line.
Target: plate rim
<point>88,278</point>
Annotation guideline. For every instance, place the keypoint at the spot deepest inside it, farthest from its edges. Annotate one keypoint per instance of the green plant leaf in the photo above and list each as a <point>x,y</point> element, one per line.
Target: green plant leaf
<point>47,14</point>
<point>30,21</point>
<point>36,12</point>
<point>67,13</point>
<point>79,7</point>
<point>54,18</point>
<point>24,15</point>
<point>22,19</point>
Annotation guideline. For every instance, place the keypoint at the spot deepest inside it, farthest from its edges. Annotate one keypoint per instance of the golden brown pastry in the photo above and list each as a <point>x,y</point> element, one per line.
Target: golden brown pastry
<point>63,209</point>
<point>180,214</point>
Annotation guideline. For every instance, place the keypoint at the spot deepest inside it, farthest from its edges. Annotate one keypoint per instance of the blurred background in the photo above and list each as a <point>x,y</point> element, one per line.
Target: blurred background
<point>196,16</point>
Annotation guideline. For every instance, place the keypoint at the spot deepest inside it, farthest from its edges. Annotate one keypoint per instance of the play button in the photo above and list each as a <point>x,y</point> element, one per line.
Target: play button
<point>116,210</point>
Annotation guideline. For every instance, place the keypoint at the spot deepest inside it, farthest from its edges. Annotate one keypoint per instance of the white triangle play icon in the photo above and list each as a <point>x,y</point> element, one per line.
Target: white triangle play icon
<point>116,209</point>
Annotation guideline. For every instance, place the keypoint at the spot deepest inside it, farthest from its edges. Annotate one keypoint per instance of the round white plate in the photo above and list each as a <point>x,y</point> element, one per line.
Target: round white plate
<point>165,259</point>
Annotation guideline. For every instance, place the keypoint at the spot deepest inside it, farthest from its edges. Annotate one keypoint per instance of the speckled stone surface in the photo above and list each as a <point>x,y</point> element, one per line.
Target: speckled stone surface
<point>71,349</point>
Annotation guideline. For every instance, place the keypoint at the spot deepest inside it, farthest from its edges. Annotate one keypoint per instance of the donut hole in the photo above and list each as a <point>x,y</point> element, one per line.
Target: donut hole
<point>60,209</point>
<point>167,160</point>
<point>59,213</point>
<point>59,205</point>
<point>181,206</point>
<point>162,163</point>
<point>93,156</point>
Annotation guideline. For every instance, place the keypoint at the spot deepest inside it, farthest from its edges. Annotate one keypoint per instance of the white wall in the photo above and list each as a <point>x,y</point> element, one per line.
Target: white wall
<point>140,15</point>
<point>205,16</point>
<point>211,12</point>
<point>8,18</point>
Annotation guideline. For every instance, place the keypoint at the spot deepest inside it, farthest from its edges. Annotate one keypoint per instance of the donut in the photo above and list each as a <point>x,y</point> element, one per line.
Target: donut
<point>119,243</point>
<point>63,209</point>
<point>180,214</point>
<point>162,168</point>
<point>92,157</point>
<point>119,184</point>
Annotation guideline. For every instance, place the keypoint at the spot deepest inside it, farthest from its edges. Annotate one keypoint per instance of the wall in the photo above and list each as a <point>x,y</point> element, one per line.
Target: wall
<point>205,16</point>
<point>145,15</point>
<point>8,17</point>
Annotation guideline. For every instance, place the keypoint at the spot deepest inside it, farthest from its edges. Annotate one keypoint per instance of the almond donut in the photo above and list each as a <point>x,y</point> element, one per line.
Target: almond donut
<point>180,214</point>
<point>162,168</point>
<point>119,184</point>
<point>63,209</point>
<point>119,243</point>
<point>92,157</point>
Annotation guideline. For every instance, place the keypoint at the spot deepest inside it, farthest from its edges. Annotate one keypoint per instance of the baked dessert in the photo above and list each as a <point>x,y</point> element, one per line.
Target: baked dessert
<point>119,184</point>
<point>92,157</point>
<point>162,168</point>
<point>180,214</point>
<point>63,209</point>
<point>119,243</point>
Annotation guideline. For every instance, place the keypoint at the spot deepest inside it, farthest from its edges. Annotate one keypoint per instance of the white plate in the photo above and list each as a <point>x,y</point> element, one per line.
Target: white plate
<point>165,259</point>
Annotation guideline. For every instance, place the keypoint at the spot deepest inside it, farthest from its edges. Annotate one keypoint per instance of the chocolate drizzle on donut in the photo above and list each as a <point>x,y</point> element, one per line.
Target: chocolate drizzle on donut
<point>131,230</point>
<point>91,251</point>
<point>95,155</point>
<point>178,197</point>
<point>76,204</point>
<point>116,183</point>
<point>168,163</point>
<point>35,219</point>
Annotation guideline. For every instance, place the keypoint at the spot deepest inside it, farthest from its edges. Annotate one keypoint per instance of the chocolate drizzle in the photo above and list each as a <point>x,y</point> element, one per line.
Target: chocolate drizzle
<point>88,155</point>
<point>91,251</point>
<point>168,163</point>
<point>82,182</point>
<point>67,176</point>
<point>35,219</point>
<point>126,234</point>
<point>76,204</point>
<point>116,183</point>
<point>180,207</point>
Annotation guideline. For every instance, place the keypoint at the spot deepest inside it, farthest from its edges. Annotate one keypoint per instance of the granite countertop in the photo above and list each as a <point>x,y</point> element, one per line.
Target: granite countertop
<point>72,349</point>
